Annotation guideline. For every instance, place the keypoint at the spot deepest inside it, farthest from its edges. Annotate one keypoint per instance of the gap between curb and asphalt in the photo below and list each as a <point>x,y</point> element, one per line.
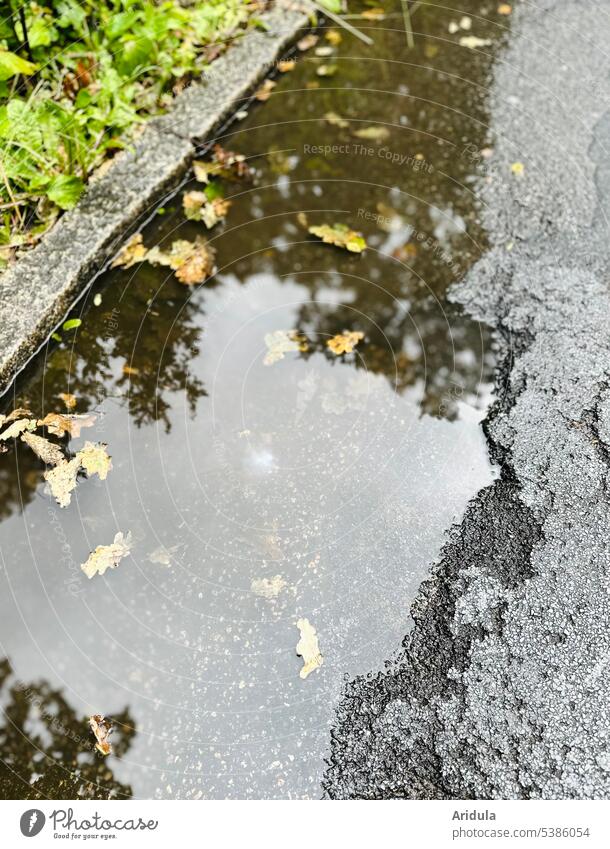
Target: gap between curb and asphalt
<point>42,286</point>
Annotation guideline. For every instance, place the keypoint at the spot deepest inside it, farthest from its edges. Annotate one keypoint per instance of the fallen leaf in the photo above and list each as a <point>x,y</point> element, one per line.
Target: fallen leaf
<point>69,400</point>
<point>16,428</point>
<point>192,262</point>
<point>308,648</point>
<point>324,51</point>
<point>197,207</point>
<point>472,42</point>
<point>131,371</point>
<point>336,120</point>
<point>333,36</point>
<point>465,22</point>
<point>18,413</point>
<point>340,236</point>
<point>62,480</point>
<point>71,423</point>
<point>95,460</point>
<point>107,556</point>
<point>430,50</point>
<point>311,84</point>
<point>268,588</point>
<point>286,65</point>
<point>327,70</point>
<point>307,42</point>
<point>282,342</point>
<point>505,9</point>
<point>372,133</point>
<point>376,14</point>
<point>48,452</point>
<point>264,92</point>
<point>344,343</point>
<point>131,253</point>
<point>518,168</point>
<point>102,729</point>
<point>224,163</point>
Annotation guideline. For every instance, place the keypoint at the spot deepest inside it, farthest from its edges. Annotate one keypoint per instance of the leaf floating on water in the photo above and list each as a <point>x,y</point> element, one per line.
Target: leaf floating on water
<point>225,163</point>
<point>62,480</point>
<point>101,729</point>
<point>71,423</point>
<point>333,36</point>
<point>336,120</point>
<point>340,236</point>
<point>286,65</point>
<point>325,50</point>
<point>307,42</point>
<point>472,42</point>
<point>107,556</point>
<point>192,262</point>
<point>131,253</point>
<point>308,648</point>
<point>268,588</point>
<point>95,460</point>
<point>16,428</point>
<point>282,342</point>
<point>48,452</point>
<point>505,9</point>
<point>372,133</point>
<point>264,92</point>
<point>69,400</point>
<point>198,207</point>
<point>518,169</point>
<point>344,343</point>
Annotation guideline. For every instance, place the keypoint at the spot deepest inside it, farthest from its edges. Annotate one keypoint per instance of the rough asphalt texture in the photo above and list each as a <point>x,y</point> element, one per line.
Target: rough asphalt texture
<point>502,688</point>
<point>37,291</point>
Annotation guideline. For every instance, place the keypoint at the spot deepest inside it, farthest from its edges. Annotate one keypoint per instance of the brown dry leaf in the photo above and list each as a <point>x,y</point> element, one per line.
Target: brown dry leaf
<point>71,423</point>
<point>131,253</point>
<point>68,399</point>
<point>308,648</point>
<point>282,342</point>
<point>286,65</point>
<point>107,556</point>
<point>336,120</point>
<point>378,134</point>
<point>19,413</point>
<point>340,236</point>
<point>131,371</point>
<point>333,36</point>
<point>264,92</point>
<point>307,42</point>
<point>101,728</point>
<point>344,343</point>
<point>62,480</point>
<point>225,163</point>
<point>48,452</point>
<point>193,262</point>
<point>95,460</point>
<point>16,428</point>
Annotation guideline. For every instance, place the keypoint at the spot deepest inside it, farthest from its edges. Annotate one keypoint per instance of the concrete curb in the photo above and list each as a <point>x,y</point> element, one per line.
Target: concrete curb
<point>40,288</point>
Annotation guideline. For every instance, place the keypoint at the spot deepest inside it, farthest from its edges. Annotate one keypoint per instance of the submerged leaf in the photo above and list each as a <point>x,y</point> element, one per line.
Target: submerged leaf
<point>102,729</point>
<point>336,120</point>
<point>472,42</point>
<point>327,70</point>
<point>107,556</point>
<point>307,42</point>
<point>340,236</point>
<point>264,92</point>
<point>131,253</point>
<point>95,460</point>
<point>48,452</point>
<point>268,588</point>
<point>372,133</point>
<point>344,343</point>
<point>282,342</point>
<point>308,648</point>
<point>62,480</point>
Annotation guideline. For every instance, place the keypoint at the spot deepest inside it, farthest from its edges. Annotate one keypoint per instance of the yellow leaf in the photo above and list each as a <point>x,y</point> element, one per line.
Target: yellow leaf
<point>131,253</point>
<point>505,9</point>
<point>344,343</point>
<point>193,262</point>
<point>286,65</point>
<point>71,423</point>
<point>264,92</point>
<point>372,133</point>
<point>333,36</point>
<point>95,460</point>
<point>307,42</point>
<point>340,236</point>
<point>518,168</point>
<point>69,400</point>
<point>48,452</point>
<point>308,648</point>
<point>62,480</point>
<point>16,428</point>
<point>336,120</point>
<point>107,556</point>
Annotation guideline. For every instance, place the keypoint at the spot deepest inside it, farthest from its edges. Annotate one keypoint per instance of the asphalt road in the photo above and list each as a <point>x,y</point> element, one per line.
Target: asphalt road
<point>501,690</point>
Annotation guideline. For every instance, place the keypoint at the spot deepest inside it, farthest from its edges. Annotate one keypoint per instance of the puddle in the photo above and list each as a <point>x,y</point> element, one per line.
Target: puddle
<point>318,486</point>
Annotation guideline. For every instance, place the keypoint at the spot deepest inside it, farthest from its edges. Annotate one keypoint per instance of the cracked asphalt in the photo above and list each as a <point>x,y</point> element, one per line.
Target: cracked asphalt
<point>501,689</point>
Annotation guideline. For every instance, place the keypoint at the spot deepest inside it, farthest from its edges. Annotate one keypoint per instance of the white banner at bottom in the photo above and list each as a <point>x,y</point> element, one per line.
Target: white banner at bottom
<point>306,824</point>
